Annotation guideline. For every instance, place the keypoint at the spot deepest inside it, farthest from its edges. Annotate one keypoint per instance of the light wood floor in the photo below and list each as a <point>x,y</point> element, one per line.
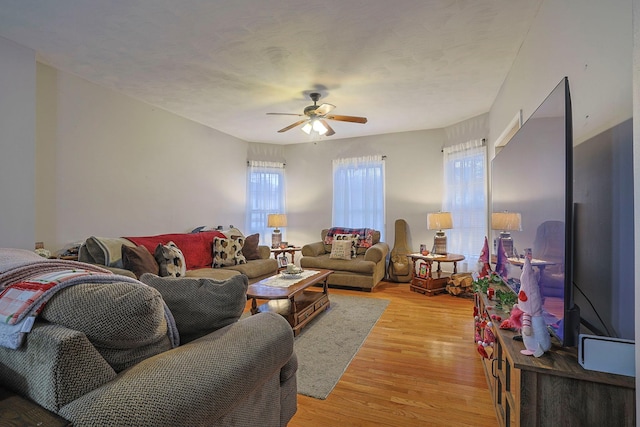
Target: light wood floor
<point>418,367</point>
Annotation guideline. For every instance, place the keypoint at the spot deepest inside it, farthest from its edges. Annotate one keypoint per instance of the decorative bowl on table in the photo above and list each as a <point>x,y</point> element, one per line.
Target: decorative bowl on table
<point>295,274</point>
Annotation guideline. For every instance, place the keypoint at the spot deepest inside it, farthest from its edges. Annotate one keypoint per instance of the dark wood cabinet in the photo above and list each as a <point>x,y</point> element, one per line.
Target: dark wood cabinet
<point>552,390</point>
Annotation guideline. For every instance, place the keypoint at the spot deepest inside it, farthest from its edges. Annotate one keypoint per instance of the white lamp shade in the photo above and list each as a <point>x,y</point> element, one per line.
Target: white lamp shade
<point>439,221</point>
<point>277,220</point>
<point>506,221</point>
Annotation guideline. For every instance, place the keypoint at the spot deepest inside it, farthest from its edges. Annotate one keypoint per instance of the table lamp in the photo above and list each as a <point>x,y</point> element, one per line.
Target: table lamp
<point>276,220</point>
<point>439,221</point>
<point>506,222</point>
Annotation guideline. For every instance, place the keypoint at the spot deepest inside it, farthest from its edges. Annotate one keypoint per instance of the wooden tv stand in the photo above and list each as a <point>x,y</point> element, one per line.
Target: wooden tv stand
<point>552,390</point>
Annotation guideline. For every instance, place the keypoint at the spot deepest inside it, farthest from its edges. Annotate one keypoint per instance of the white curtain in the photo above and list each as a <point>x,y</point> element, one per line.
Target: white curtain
<point>358,193</point>
<point>265,195</point>
<point>465,196</point>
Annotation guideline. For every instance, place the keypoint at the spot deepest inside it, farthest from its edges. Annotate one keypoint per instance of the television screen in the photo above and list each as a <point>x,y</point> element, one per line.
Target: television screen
<point>532,176</point>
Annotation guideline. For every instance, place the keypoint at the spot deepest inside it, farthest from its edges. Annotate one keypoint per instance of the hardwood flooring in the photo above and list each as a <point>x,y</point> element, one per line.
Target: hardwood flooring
<point>418,367</point>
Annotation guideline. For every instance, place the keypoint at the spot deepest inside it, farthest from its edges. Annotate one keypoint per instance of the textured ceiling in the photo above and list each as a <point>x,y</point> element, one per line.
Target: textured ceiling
<point>404,64</point>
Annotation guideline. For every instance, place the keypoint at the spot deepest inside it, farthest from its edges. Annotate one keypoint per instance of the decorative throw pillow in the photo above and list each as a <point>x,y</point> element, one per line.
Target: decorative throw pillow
<point>250,247</point>
<point>341,249</point>
<point>353,238</point>
<point>200,305</point>
<point>170,260</point>
<point>139,260</point>
<point>228,252</point>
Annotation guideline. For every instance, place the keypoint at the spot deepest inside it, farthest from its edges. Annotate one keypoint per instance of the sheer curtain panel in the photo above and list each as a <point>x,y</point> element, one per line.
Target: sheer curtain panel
<point>265,195</point>
<point>358,193</point>
<point>465,196</point>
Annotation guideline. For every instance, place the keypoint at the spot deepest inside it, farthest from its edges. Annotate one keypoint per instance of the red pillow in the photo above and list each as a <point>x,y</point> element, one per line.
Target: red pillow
<point>197,248</point>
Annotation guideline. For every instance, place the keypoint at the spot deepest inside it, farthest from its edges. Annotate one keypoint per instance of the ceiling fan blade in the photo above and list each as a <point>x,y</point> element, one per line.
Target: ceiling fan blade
<point>324,109</point>
<point>285,114</point>
<point>330,130</point>
<point>299,122</point>
<point>352,119</point>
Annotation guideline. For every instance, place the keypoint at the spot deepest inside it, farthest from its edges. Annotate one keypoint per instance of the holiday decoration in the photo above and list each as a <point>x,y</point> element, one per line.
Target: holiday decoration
<point>484,259</point>
<point>526,315</point>
<point>501,260</point>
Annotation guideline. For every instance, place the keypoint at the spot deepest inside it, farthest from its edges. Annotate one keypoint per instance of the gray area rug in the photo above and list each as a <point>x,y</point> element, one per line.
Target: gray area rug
<point>326,346</point>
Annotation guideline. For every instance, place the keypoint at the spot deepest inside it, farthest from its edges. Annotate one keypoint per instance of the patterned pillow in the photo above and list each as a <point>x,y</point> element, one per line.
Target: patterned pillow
<point>341,249</point>
<point>228,252</point>
<point>170,260</point>
<point>353,238</point>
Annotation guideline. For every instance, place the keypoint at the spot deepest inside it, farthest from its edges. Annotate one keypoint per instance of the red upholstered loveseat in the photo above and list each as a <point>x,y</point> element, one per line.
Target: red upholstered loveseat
<point>197,249</point>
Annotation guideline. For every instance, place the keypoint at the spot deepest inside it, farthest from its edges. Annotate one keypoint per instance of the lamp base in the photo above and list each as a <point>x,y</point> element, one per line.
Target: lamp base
<point>276,239</point>
<point>507,245</point>
<point>440,243</point>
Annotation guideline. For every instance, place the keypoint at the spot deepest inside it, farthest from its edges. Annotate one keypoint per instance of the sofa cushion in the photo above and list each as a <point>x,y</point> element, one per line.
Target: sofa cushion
<point>341,249</point>
<point>170,260</point>
<point>201,306</point>
<point>227,252</point>
<point>250,248</point>
<point>124,321</point>
<point>325,262</point>
<point>139,260</point>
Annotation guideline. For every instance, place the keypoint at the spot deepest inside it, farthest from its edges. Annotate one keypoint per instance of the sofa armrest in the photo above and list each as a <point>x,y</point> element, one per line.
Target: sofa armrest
<point>47,370</point>
<point>264,251</point>
<point>194,384</point>
<point>313,249</point>
<point>377,252</point>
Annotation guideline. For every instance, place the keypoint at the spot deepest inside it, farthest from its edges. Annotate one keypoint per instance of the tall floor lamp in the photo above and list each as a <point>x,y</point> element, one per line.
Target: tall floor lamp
<point>276,220</point>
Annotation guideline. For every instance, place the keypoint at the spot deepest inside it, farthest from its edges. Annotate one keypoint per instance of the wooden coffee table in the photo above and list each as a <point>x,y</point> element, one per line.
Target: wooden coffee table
<point>297,303</point>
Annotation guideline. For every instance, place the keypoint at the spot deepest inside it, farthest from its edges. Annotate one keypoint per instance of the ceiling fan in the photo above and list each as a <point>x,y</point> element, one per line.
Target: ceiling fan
<point>316,116</point>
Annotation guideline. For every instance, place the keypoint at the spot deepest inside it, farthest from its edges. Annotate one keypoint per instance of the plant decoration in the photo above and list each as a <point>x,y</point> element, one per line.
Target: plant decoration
<point>482,284</point>
<point>506,299</point>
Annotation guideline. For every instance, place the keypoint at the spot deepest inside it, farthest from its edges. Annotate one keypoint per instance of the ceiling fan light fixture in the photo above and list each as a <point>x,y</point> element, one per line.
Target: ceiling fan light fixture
<point>307,128</point>
<point>319,127</point>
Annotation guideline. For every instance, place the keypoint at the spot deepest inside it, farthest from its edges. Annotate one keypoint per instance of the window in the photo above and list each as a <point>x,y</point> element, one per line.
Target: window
<point>358,193</point>
<point>465,196</point>
<point>265,195</point>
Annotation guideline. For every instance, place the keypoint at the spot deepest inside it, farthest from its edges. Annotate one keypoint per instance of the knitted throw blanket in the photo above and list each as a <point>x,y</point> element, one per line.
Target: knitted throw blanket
<point>27,282</point>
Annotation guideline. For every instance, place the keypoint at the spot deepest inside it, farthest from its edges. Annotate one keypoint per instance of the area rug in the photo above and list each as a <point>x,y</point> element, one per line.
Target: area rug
<point>327,344</point>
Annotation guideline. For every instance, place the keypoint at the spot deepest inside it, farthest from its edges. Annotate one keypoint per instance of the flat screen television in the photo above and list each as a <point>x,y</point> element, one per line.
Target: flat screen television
<point>533,175</point>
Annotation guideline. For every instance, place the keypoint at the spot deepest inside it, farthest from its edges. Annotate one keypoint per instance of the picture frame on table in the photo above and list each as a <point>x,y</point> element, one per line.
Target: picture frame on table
<point>283,261</point>
<point>422,269</point>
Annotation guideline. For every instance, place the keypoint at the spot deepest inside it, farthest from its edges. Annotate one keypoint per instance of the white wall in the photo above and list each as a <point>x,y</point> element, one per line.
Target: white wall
<point>413,168</point>
<point>17,145</point>
<point>590,42</point>
<point>109,165</point>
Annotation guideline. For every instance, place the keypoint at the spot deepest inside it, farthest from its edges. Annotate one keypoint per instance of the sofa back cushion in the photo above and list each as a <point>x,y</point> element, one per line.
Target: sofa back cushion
<point>124,321</point>
<point>367,237</point>
<point>201,305</point>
